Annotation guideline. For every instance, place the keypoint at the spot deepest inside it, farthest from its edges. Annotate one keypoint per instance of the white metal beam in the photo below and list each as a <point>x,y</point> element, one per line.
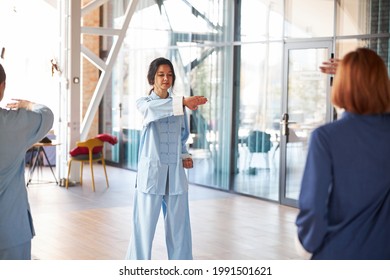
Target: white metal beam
<point>93,58</point>
<point>92,6</point>
<point>74,72</point>
<point>101,31</point>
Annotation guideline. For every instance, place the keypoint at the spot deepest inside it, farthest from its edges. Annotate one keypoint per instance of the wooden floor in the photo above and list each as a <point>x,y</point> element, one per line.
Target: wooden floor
<point>78,224</point>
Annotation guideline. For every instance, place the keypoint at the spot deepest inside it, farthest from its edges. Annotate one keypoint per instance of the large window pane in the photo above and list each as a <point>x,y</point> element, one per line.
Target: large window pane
<point>29,32</point>
<point>309,19</point>
<point>261,20</point>
<point>362,17</point>
<point>260,110</point>
<point>380,45</point>
<point>210,125</point>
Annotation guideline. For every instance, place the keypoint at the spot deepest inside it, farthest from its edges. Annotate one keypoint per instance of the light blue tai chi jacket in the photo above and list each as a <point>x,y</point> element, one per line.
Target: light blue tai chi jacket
<point>19,130</point>
<point>162,145</point>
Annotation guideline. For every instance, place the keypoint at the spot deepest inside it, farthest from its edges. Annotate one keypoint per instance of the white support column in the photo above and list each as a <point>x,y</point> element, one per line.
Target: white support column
<point>74,74</point>
<point>62,134</point>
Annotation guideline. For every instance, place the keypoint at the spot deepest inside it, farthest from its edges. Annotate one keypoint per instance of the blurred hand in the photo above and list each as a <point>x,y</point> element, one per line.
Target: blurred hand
<point>188,163</point>
<point>330,66</point>
<point>193,102</point>
<point>20,104</point>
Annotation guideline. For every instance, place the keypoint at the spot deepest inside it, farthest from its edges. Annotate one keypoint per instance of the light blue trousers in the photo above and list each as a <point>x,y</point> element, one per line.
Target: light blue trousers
<point>146,212</point>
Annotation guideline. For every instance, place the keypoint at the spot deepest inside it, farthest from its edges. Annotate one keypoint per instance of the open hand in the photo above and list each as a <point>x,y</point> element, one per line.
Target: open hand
<point>20,104</point>
<point>193,102</point>
<point>330,66</point>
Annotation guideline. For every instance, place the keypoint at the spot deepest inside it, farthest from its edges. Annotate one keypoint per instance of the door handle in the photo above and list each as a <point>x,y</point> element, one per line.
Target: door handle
<point>284,124</point>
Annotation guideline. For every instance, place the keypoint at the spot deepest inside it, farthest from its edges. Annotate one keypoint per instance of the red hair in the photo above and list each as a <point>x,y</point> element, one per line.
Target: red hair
<point>361,83</point>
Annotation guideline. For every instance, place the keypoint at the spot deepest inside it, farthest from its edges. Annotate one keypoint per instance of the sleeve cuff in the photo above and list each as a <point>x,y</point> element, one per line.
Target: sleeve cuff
<point>37,107</point>
<point>186,155</point>
<point>177,104</point>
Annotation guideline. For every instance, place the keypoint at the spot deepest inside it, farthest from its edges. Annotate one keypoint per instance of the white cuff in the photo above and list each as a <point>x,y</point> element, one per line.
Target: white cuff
<point>185,156</point>
<point>177,103</point>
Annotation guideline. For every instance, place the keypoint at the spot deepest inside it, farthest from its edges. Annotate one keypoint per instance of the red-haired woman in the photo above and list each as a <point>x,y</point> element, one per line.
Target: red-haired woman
<point>344,204</point>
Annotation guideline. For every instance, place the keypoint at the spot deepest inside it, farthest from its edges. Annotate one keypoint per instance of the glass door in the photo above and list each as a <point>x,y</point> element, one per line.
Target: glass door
<point>306,105</point>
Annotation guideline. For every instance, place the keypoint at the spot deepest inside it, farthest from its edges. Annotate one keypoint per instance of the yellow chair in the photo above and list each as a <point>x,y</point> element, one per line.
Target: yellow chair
<point>91,157</point>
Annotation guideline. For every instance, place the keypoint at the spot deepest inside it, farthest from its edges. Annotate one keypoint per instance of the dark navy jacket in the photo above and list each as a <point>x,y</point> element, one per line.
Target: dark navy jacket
<point>345,193</point>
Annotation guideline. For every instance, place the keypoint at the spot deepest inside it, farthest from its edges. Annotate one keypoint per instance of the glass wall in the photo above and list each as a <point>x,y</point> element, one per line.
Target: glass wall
<point>233,56</point>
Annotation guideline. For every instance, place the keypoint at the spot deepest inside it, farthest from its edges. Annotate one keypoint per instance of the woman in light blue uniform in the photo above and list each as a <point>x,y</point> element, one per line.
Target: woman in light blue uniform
<point>161,179</point>
<point>22,126</point>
